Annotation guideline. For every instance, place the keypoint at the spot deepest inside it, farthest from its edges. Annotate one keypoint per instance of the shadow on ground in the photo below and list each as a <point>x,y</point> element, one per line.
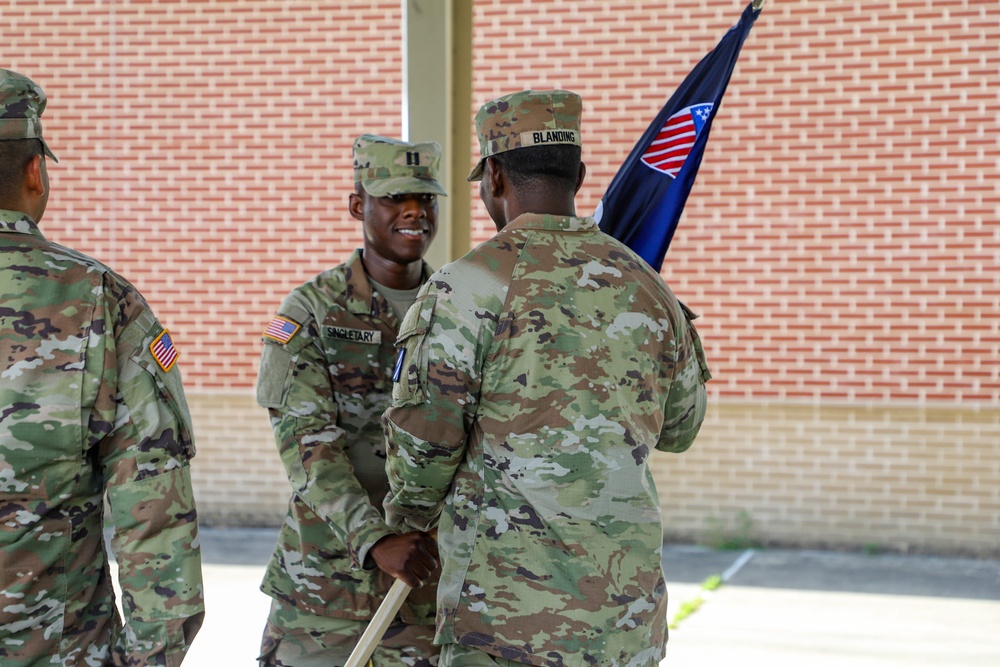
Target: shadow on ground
<point>884,574</point>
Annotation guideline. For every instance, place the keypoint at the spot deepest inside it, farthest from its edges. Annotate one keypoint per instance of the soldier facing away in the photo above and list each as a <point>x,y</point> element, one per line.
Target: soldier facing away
<point>534,378</point>
<point>325,378</point>
<point>91,402</point>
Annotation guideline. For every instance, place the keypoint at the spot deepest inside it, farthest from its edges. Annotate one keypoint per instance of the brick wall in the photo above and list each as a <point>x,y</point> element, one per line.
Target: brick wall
<point>841,241</point>
<point>205,149</point>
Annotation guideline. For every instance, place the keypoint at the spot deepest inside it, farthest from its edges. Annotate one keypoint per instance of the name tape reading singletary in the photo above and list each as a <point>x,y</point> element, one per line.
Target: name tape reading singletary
<point>357,335</point>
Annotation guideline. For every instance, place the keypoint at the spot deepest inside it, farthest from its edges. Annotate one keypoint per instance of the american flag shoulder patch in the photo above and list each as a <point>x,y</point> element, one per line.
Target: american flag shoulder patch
<point>163,350</point>
<point>281,329</point>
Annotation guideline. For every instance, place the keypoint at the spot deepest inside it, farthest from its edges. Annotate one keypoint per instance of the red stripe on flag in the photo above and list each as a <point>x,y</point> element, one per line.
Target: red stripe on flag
<point>672,145</point>
<point>165,354</point>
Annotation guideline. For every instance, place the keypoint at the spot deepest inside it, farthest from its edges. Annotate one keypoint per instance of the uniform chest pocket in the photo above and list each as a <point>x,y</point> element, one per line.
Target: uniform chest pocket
<point>409,375</point>
<point>357,359</point>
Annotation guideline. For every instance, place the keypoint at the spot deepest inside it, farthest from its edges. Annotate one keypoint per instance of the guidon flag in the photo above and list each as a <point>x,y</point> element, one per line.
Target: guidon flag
<point>644,202</point>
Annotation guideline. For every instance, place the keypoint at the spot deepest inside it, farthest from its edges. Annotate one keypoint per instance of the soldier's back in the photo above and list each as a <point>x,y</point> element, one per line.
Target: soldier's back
<point>50,495</point>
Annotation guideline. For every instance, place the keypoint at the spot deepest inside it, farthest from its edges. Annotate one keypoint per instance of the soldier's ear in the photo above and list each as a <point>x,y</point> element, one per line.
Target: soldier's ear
<point>356,205</point>
<point>494,177</point>
<point>580,177</point>
<point>34,181</point>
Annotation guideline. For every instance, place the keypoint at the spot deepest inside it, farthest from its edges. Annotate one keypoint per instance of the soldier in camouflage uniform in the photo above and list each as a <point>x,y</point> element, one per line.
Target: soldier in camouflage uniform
<point>325,378</point>
<point>90,403</point>
<point>534,378</point>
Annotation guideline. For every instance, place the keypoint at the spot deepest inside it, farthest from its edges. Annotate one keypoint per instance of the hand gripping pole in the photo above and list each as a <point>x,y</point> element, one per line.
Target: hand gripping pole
<point>379,624</point>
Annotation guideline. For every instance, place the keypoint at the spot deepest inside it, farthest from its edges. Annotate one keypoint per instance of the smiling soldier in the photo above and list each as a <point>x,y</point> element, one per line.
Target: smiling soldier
<point>325,378</point>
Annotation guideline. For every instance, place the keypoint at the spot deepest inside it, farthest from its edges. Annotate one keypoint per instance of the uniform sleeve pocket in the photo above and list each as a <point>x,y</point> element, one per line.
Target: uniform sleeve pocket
<point>409,376</point>
<point>273,375</point>
<point>156,402</point>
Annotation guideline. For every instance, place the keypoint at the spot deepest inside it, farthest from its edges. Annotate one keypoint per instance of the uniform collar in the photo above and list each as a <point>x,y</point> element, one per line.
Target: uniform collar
<point>565,223</point>
<point>18,223</point>
<point>360,297</point>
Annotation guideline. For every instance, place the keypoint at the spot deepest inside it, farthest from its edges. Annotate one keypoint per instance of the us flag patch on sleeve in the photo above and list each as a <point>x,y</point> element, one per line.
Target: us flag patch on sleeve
<point>281,329</point>
<point>163,350</point>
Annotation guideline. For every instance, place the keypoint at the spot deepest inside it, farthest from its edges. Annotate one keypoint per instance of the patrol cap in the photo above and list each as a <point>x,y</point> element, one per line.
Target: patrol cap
<point>527,118</point>
<point>387,166</point>
<point>21,105</point>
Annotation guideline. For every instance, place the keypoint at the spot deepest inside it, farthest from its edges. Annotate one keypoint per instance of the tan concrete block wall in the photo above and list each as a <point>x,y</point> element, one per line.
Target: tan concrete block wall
<point>907,478</point>
<point>900,478</point>
<point>237,474</point>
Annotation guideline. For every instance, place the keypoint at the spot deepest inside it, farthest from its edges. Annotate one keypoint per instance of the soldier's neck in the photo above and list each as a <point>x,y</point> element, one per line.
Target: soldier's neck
<point>392,274</point>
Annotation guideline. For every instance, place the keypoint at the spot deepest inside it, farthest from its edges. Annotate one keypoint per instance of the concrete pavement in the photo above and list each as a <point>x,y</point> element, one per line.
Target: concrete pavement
<point>823,609</point>
<point>778,608</point>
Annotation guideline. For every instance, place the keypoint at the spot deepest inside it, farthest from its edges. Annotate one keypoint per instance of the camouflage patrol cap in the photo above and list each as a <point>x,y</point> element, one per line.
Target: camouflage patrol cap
<point>387,166</point>
<point>527,118</point>
<point>21,105</point>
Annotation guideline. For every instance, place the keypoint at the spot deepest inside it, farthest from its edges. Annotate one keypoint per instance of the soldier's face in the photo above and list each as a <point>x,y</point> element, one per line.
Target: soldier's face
<point>399,228</point>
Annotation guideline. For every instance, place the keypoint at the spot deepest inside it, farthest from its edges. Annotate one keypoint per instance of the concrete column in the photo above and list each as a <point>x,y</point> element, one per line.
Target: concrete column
<point>437,106</point>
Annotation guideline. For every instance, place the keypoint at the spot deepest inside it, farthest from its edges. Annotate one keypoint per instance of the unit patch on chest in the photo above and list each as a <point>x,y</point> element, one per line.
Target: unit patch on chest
<point>356,335</point>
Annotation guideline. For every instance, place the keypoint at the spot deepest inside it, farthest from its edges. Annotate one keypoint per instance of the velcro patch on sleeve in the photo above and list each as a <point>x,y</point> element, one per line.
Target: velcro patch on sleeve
<point>281,329</point>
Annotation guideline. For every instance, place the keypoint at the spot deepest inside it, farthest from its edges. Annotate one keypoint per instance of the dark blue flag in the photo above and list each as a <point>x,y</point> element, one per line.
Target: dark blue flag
<point>642,205</point>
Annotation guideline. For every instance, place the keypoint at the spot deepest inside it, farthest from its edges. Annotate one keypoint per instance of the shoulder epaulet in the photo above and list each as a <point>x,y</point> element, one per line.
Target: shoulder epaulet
<point>690,314</point>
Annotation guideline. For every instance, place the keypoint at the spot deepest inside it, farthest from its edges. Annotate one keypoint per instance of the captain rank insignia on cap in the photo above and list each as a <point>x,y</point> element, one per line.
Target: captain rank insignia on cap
<point>163,350</point>
<point>281,329</point>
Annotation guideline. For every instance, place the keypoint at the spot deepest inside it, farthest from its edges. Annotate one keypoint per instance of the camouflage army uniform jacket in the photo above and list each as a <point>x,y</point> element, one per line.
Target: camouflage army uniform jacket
<point>535,377</point>
<point>85,409</point>
<point>325,390</point>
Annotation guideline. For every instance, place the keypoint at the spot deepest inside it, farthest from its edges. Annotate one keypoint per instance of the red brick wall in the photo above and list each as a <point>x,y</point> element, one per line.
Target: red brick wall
<point>841,240</point>
<point>838,241</point>
<point>205,149</point>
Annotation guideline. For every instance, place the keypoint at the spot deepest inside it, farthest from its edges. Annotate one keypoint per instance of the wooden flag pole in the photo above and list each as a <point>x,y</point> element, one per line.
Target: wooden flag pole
<point>757,4</point>
<point>379,624</point>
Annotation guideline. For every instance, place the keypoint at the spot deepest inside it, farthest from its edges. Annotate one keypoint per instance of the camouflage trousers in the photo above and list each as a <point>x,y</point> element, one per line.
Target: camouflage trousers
<point>295,638</point>
<point>458,655</point>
